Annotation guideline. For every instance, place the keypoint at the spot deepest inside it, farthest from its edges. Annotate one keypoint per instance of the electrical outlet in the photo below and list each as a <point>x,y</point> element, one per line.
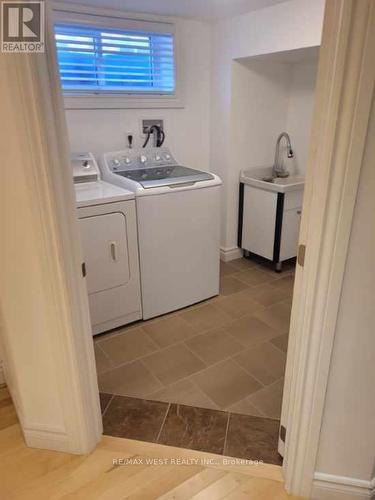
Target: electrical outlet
<point>146,124</point>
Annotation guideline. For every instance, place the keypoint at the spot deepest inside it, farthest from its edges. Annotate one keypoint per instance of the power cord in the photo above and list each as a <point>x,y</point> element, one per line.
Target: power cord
<point>160,135</point>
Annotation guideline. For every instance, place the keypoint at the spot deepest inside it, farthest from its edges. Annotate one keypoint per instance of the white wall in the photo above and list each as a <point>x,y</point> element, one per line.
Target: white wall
<point>187,128</point>
<point>284,27</point>
<point>267,97</point>
<point>259,104</point>
<point>259,107</point>
<point>300,109</point>
<point>347,440</point>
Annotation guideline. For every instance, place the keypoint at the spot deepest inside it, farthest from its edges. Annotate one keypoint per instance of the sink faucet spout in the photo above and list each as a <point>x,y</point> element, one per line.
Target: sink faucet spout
<point>278,169</point>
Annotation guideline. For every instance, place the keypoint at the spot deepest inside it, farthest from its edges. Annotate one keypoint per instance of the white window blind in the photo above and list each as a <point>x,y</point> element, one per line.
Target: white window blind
<point>104,60</point>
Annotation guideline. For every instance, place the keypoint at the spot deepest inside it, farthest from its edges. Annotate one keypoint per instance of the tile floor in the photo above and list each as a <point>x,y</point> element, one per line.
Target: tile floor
<point>181,426</point>
<point>227,353</point>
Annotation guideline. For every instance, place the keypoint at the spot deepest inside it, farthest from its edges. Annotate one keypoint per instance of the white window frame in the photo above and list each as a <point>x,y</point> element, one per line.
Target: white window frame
<point>69,13</point>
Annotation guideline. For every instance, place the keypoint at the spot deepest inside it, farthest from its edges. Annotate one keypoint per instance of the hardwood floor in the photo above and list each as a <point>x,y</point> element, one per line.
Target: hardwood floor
<point>123,468</point>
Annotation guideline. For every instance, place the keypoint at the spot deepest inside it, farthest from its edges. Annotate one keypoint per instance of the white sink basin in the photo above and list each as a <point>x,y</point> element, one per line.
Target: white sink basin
<point>261,177</point>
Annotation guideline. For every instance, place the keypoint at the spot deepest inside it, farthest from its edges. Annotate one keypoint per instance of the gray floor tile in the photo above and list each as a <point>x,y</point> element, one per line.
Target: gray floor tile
<point>250,330</point>
<point>132,379</point>
<point>276,316</point>
<point>128,346</point>
<point>173,363</point>
<point>170,330</point>
<point>229,285</point>
<point>253,438</point>
<point>134,418</point>
<point>281,342</point>
<point>226,383</point>
<point>269,399</point>
<point>184,392</point>
<point>214,345</point>
<point>264,362</point>
<point>195,429</point>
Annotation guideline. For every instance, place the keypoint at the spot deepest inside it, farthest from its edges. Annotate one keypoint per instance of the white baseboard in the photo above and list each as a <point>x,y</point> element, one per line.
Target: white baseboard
<point>228,254</point>
<point>331,487</point>
<point>49,439</point>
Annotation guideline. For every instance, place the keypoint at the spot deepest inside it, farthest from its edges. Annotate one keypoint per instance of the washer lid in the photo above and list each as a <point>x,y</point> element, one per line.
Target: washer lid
<point>171,175</point>
<point>100,192</point>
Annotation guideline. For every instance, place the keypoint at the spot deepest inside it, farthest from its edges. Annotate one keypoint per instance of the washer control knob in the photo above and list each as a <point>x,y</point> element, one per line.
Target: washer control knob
<point>143,158</point>
<point>167,157</point>
<point>157,158</point>
<point>116,162</point>
<point>127,160</point>
<point>85,164</point>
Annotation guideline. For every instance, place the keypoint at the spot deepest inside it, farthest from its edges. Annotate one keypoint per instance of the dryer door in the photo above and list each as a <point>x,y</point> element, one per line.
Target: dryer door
<point>105,246</point>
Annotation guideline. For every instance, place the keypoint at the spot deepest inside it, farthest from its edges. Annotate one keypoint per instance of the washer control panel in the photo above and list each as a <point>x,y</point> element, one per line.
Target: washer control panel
<point>134,159</point>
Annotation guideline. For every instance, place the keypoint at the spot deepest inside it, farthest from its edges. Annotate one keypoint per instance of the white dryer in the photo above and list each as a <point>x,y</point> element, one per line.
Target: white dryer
<point>178,217</point>
<point>107,222</point>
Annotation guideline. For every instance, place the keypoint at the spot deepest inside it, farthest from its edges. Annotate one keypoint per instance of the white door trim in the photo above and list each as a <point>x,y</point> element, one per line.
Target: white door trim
<point>84,419</point>
<point>42,155</point>
<point>343,100</point>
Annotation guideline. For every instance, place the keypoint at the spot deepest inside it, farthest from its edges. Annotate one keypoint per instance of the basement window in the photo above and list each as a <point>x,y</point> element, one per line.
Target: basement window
<point>102,65</point>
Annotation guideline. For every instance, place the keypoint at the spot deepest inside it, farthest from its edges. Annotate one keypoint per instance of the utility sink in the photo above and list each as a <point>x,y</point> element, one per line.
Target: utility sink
<point>261,177</point>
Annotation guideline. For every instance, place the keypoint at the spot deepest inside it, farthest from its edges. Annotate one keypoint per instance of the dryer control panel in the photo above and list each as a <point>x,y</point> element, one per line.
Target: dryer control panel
<point>85,168</point>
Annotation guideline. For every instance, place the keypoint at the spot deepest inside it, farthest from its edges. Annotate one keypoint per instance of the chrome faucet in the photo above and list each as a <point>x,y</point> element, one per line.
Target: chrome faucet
<point>278,169</point>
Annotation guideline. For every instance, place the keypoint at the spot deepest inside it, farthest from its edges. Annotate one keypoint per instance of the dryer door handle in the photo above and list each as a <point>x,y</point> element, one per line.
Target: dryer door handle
<point>113,247</point>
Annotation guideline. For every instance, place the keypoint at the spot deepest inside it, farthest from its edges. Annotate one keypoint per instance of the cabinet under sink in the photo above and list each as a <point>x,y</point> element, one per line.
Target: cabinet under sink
<point>269,219</point>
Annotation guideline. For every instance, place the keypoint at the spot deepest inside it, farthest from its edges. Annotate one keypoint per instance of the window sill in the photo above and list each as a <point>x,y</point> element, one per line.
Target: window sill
<point>120,102</point>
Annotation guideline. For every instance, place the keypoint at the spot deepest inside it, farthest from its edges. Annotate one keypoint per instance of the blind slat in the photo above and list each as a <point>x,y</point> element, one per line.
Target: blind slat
<point>125,68</point>
<point>114,51</point>
<point>152,76</point>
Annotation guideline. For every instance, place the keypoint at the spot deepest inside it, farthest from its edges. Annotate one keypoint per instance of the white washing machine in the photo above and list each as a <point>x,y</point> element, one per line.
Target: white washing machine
<point>108,228</point>
<point>178,217</point>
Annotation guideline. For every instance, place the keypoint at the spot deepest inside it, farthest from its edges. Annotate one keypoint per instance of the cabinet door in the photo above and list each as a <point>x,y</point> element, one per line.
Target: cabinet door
<point>105,247</point>
<point>259,219</point>
<point>290,233</point>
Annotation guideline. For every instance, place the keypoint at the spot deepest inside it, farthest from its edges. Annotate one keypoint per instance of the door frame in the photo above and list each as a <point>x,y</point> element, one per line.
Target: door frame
<point>344,93</point>
<point>30,82</point>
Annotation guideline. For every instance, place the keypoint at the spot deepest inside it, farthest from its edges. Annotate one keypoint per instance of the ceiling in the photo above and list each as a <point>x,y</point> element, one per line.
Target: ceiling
<point>205,9</point>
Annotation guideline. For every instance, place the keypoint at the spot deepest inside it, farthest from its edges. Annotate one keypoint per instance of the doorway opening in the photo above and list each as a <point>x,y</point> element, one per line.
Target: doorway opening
<point>210,376</point>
